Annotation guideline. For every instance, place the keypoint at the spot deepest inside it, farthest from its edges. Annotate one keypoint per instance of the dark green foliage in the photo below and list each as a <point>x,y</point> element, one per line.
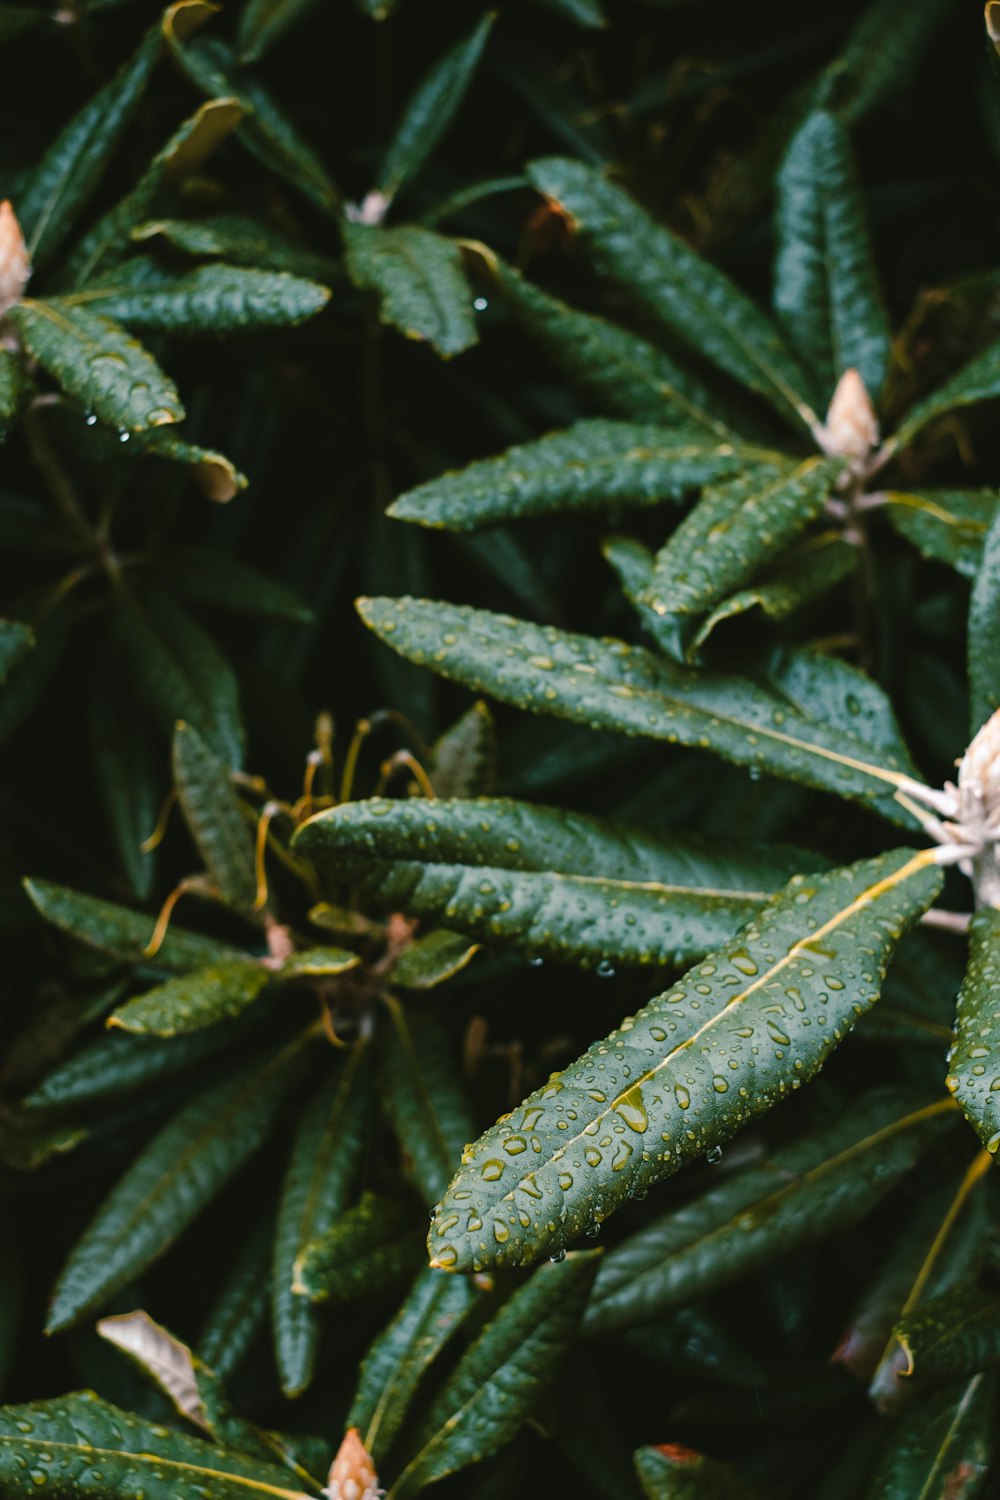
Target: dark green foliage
<point>498,522</point>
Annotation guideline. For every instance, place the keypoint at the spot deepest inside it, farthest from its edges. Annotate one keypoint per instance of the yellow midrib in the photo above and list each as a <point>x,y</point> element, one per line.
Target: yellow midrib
<point>88,1453</point>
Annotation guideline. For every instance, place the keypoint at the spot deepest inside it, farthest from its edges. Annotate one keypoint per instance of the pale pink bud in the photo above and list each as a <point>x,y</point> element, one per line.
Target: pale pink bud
<point>15,265</point>
<point>851,427</point>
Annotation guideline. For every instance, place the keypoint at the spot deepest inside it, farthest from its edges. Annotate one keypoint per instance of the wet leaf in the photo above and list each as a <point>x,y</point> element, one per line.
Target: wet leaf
<point>431,959</point>
<point>193,1001</point>
<point>329,1142</point>
<point>791,724</point>
<point>418,280</point>
<point>941,1447</point>
<point>423,1097</point>
<point>463,759</point>
<point>947,526</point>
<point>216,298</point>
<point>497,1383</point>
<point>673,1472</point>
<point>553,884</point>
<point>98,364</point>
<point>984,633</point>
<point>174,1176</point>
<point>394,1366</point>
<point>370,1247</point>
<point>974,1061</point>
<point>120,932</point>
<point>688,295</point>
<point>951,1337</point>
<point>214,816</point>
<point>595,465</point>
<point>731,1039</point>
<point>814,1187</point>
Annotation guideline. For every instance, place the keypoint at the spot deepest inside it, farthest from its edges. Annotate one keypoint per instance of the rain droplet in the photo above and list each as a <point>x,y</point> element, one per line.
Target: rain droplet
<point>713,1155</point>
<point>480,304</point>
<point>90,419</point>
<point>605,969</point>
<point>123,437</point>
<point>592,1231</point>
<point>536,962</point>
<point>558,1258</point>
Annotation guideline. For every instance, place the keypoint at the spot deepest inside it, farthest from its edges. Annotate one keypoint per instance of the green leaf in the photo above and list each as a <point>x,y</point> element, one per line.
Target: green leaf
<point>818,565</point>
<point>238,240</point>
<point>422,1096</point>
<point>418,279</point>
<point>673,1472</point>
<point>554,884</point>
<point>178,671</point>
<point>595,465</point>
<point>372,1246</point>
<point>826,288</point>
<point>463,759</point>
<point>733,531</point>
<point>194,1001</point>
<point>942,1447</point>
<point>118,1064</point>
<point>216,476</point>
<point>76,161</point>
<point>979,380</point>
<point>313,963</point>
<point>99,364</point>
<point>15,390</point>
<point>56,1443</point>
<point>974,1061</point>
<point>814,1187</point>
<point>120,932</point>
<point>214,816</point>
<point>184,153</point>
<point>431,959</point>
<point>184,1166</point>
<point>394,1366</point>
<point>496,1385</point>
<point>433,106</point>
<point>264,21</point>
<point>672,282</point>
<point>951,1337</point>
<point>984,633</point>
<point>16,640</point>
<point>327,1152</point>
<point>266,130</point>
<point>947,526</point>
<point>212,299</point>
<point>127,768</point>
<point>731,1039</point>
<point>628,376</point>
<point>793,720</point>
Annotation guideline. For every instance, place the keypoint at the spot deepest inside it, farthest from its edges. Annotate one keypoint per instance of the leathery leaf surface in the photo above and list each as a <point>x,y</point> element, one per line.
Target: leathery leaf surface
<point>731,1039</point>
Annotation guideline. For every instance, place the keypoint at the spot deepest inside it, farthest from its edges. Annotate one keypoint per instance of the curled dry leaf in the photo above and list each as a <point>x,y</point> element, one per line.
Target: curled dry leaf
<point>15,265</point>
<point>352,1474</point>
<point>168,1360</point>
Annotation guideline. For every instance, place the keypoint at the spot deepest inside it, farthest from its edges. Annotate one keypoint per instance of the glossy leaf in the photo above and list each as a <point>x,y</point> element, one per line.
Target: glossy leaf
<point>553,884</point>
<point>942,1447</point>
<point>329,1142</point>
<point>76,161</point>
<point>237,240</point>
<point>814,1187</point>
<point>826,289</point>
<point>974,1061</point>
<point>60,1440</point>
<point>733,531</point>
<point>951,1337</point>
<point>497,1383</point>
<point>214,816</point>
<point>216,475</point>
<point>187,149</point>
<point>422,1095</point>
<point>266,131</point>
<point>175,1175</point>
<point>627,375</point>
<point>117,1064</point>
<point>215,298</point>
<point>394,1366</point>
<point>98,364</point>
<point>947,526</point>
<point>677,286</point>
<point>122,933</point>
<point>372,1246</point>
<point>178,672</point>
<point>194,1001</point>
<point>984,633</point>
<point>418,280</point>
<point>812,569</point>
<point>730,1040</point>
<point>430,111</point>
<point>796,723</point>
<point>431,959</point>
<point>594,465</point>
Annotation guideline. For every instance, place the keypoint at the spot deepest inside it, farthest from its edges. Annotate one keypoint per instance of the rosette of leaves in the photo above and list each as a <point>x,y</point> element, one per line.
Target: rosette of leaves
<point>756,1017</point>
